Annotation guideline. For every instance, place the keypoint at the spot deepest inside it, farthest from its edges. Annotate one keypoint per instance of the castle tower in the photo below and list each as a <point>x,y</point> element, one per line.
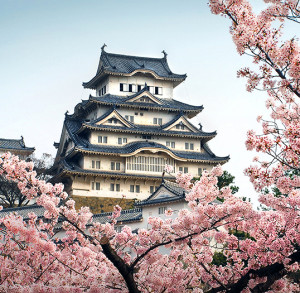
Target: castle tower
<point>119,140</point>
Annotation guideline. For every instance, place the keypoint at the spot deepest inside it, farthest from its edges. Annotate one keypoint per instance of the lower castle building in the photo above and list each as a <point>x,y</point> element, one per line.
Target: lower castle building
<point>118,141</point>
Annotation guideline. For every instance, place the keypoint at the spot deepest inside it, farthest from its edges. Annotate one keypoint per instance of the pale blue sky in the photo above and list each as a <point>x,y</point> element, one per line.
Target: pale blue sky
<point>49,47</point>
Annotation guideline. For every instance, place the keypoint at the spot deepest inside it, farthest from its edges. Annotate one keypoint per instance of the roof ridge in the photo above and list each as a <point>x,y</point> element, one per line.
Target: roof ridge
<point>132,56</point>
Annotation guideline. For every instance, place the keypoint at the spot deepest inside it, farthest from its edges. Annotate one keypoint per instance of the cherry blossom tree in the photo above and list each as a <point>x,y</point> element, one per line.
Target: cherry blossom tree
<point>260,250</point>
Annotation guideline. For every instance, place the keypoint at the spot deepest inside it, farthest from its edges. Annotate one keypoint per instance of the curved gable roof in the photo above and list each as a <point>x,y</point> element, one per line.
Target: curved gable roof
<point>119,64</point>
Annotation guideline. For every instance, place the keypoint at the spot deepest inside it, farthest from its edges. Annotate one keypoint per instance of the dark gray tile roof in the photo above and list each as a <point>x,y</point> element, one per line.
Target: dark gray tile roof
<point>145,129</point>
<point>133,146</point>
<point>24,211</point>
<point>124,64</point>
<point>132,215</point>
<point>126,215</point>
<point>14,144</point>
<point>174,188</point>
<point>167,104</point>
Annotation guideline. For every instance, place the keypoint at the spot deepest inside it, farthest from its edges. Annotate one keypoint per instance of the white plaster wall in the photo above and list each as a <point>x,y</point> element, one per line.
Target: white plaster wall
<point>82,186</point>
<point>139,79</point>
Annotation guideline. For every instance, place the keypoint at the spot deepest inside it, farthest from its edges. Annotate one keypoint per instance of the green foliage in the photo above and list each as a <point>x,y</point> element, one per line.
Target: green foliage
<point>227,180</point>
<point>241,234</point>
<point>219,259</point>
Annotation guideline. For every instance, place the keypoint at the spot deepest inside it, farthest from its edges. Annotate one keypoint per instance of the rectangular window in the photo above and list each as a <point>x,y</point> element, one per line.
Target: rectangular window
<point>137,189</point>
<point>139,87</point>
<point>97,164</point>
<point>158,90</point>
<point>112,187</point>
<point>186,170</point>
<point>102,139</point>
<point>133,88</point>
<point>187,145</point>
<point>130,87</point>
<point>157,121</point>
<point>162,210</point>
<point>117,187</point>
<point>180,169</point>
<point>170,144</point>
<point>131,188</point>
<point>121,87</point>
<point>191,146</point>
<point>97,185</point>
<point>151,89</point>
<point>115,165</point>
<point>199,171</point>
<point>125,140</point>
<point>93,164</point>
<point>112,166</point>
<point>119,140</point>
<point>93,185</point>
<point>129,118</point>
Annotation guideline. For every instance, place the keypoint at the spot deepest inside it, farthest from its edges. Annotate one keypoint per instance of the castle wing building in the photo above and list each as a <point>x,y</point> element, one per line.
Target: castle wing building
<point>118,141</point>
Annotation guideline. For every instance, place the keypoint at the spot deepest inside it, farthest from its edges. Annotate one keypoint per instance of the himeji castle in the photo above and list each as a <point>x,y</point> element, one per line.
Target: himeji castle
<point>118,141</point>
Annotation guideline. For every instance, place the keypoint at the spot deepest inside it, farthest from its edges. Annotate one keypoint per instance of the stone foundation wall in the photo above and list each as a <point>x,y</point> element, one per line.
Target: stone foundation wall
<point>102,204</point>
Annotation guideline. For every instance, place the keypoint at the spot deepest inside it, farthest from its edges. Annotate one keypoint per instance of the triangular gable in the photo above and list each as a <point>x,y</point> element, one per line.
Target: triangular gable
<point>145,97</point>
<point>182,122</point>
<point>114,118</point>
<point>161,193</point>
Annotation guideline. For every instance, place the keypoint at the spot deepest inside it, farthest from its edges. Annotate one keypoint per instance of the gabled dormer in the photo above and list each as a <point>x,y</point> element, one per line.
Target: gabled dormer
<point>180,124</point>
<point>112,118</point>
<point>144,96</point>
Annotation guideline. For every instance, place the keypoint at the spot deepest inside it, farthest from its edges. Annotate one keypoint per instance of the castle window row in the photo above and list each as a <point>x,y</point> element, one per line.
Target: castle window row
<point>116,187</point>
<point>148,164</point>
<point>133,88</point>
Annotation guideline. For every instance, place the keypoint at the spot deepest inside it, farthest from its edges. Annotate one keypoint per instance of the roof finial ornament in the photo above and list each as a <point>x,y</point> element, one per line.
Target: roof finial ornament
<point>165,54</point>
<point>66,113</point>
<point>103,47</point>
<point>200,126</point>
